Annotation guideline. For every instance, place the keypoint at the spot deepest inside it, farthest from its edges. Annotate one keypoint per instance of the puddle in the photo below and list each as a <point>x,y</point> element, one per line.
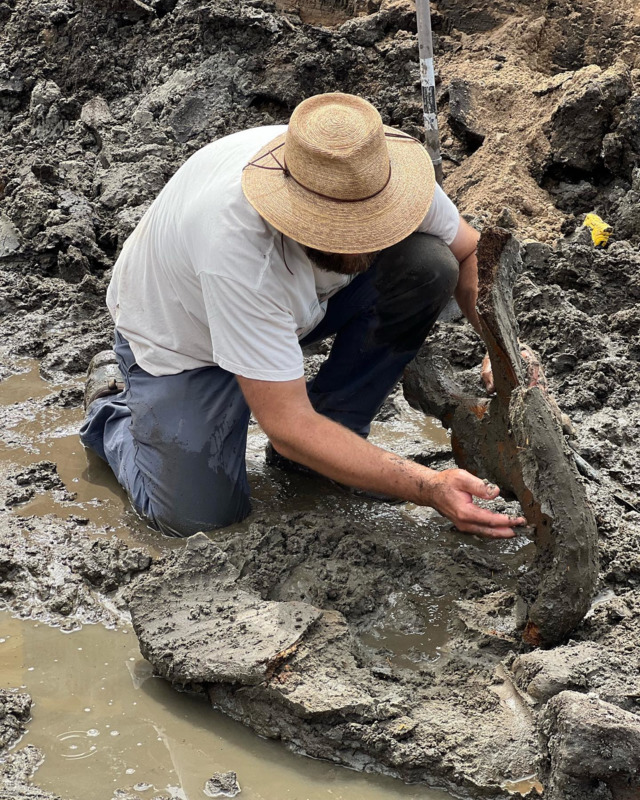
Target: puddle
<point>24,385</point>
<point>105,723</point>
<point>33,432</point>
<point>411,645</point>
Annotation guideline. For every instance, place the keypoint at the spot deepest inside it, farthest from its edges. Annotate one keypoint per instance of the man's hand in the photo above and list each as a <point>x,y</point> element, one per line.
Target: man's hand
<point>298,432</point>
<point>452,492</point>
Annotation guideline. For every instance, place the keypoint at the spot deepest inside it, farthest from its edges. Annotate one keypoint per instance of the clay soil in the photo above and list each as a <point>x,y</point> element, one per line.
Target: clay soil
<point>539,109</point>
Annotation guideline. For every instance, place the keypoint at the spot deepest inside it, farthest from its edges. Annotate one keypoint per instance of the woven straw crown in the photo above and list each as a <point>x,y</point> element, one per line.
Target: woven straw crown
<point>338,180</point>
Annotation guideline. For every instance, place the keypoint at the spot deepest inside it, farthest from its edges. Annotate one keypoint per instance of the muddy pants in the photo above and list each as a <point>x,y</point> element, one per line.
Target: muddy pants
<point>177,443</point>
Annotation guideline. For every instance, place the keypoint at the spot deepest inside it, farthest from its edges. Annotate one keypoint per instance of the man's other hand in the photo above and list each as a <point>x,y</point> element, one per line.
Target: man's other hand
<point>451,493</point>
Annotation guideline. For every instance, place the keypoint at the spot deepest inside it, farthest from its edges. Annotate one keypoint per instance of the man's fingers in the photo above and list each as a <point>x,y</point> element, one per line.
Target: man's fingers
<point>488,532</point>
<point>487,379</point>
<point>477,487</point>
<point>486,373</point>
<point>482,516</point>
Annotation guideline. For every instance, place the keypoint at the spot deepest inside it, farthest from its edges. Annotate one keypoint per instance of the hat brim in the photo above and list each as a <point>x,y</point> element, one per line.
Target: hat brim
<point>335,226</point>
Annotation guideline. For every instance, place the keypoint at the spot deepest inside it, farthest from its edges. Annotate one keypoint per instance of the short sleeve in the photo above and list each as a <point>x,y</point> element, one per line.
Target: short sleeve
<point>251,335</point>
<point>442,219</point>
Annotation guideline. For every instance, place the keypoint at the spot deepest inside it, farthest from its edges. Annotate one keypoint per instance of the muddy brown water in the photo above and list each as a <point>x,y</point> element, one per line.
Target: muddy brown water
<point>103,721</point>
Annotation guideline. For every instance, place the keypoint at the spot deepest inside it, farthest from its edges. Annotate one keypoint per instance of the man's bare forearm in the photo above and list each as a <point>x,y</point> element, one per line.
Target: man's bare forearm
<point>334,451</point>
<point>298,432</point>
<point>466,292</point>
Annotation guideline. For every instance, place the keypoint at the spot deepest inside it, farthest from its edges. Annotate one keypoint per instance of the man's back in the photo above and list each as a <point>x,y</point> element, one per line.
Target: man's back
<point>202,262</point>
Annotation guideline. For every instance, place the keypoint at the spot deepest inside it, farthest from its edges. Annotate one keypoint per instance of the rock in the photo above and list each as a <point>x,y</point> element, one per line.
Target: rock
<point>627,224</point>
<point>15,773</point>
<point>471,18</point>
<point>322,679</point>
<point>578,125</point>
<point>72,265</point>
<point>132,10</point>
<point>11,89</point>
<point>626,321</point>
<point>574,197</point>
<point>551,84</point>
<point>621,147</point>
<point>130,184</point>
<point>593,748</point>
<point>579,666</point>
<point>463,114</point>
<point>505,219</point>
<point>95,113</point>
<point>9,237</point>
<point>44,95</point>
<point>196,626</point>
<point>15,710</point>
<point>222,784</point>
<point>365,31</point>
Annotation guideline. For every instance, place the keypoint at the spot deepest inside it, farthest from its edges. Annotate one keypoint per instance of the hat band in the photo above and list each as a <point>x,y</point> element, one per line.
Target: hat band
<point>287,173</point>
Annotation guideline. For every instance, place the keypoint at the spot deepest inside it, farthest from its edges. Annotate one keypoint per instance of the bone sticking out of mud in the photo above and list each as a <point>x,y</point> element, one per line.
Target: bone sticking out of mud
<point>515,439</point>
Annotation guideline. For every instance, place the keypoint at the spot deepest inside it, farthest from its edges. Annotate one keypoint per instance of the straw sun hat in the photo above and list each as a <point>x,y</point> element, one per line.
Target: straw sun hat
<point>340,181</point>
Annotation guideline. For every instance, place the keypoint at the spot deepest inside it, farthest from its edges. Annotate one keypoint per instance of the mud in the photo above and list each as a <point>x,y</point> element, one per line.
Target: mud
<point>415,625</point>
<point>317,686</point>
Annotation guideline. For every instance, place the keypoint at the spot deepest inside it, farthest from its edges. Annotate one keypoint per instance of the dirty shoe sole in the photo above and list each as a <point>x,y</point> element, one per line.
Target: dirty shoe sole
<point>103,377</point>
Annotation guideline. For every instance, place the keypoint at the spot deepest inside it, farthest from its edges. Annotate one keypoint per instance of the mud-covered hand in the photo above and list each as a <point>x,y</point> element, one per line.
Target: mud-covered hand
<point>451,492</point>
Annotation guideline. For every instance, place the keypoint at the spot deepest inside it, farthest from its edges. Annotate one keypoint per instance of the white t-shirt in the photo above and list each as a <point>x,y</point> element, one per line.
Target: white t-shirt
<point>201,280</point>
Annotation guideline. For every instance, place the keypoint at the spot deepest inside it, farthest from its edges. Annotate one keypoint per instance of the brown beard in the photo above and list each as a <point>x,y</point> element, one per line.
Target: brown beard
<point>343,263</point>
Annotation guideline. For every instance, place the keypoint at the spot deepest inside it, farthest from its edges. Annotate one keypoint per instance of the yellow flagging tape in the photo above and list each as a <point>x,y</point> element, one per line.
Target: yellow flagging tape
<point>600,231</point>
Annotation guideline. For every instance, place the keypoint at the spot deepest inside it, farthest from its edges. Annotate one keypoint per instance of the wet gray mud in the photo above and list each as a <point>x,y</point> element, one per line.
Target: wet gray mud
<point>371,637</point>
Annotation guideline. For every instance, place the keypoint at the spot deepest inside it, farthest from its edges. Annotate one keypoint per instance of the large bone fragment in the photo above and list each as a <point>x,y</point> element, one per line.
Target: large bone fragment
<point>515,439</point>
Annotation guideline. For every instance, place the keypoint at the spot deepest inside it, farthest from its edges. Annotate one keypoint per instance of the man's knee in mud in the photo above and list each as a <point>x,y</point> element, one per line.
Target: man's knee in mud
<point>178,523</point>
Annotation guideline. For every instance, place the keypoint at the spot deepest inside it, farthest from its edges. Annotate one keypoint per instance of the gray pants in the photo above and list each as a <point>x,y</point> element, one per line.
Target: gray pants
<point>177,443</point>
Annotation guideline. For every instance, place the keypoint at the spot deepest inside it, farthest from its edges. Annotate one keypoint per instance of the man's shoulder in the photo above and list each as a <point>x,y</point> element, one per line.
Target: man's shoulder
<point>442,218</point>
<point>224,235</point>
<point>242,144</point>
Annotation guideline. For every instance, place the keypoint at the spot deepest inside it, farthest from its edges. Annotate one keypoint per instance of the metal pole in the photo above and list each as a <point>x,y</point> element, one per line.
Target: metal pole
<point>428,83</point>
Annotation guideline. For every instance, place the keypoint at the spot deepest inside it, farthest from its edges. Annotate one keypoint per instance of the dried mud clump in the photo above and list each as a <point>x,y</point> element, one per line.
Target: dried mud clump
<point>16,771</point>
<point>15,710</point>
<point>295,672</point>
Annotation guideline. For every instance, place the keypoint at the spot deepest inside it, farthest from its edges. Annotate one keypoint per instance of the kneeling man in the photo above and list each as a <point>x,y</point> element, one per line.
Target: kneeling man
<point>265,241</point>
